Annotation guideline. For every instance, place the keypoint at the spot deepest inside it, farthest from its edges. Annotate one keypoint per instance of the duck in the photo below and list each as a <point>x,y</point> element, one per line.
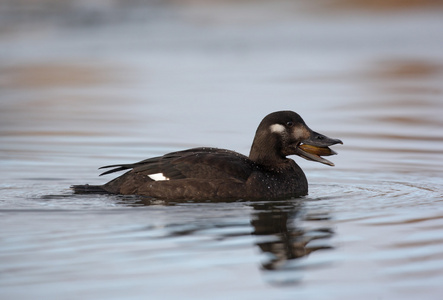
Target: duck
<point>207,173</point>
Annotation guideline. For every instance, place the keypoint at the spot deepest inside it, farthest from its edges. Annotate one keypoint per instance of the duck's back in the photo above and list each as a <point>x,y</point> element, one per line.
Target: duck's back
<point>188,174</point>
<point>207,173</point>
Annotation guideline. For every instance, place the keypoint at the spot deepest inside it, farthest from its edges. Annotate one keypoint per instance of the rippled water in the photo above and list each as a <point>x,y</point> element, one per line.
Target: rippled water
<point>85,86</point>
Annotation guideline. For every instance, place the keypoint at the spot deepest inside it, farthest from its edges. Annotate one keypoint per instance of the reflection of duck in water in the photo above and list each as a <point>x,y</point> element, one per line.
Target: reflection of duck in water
<point>275,226</point>
<point>217,174</point>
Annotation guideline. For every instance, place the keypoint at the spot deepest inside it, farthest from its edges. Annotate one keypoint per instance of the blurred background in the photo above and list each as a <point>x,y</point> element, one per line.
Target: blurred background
<point>206,72</point>
<point>86,83</point>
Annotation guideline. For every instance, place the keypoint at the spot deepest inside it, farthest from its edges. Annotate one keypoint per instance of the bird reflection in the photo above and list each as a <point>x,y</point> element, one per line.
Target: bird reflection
<point>280,227</point>
<point>277,226</point>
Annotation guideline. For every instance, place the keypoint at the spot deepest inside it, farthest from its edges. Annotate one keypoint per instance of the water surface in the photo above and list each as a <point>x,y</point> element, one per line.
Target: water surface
<point>86,86</point>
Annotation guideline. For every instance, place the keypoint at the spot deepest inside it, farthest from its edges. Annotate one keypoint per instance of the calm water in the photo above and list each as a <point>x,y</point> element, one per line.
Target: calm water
<point>87,85</point>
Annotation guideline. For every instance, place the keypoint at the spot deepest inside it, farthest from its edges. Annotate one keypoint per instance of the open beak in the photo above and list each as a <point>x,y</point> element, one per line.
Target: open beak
<point>316,146</point>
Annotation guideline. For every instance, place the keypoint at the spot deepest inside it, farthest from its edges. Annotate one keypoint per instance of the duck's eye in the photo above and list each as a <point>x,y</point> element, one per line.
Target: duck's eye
<point>289,124</point>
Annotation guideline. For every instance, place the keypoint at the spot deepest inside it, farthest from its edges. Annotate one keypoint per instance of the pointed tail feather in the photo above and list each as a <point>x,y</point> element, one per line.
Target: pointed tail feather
<point>88,189</point>
<point>117,168</point>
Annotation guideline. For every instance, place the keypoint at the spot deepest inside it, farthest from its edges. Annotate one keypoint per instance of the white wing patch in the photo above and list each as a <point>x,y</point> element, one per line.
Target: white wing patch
<point>277,128</point>
<point>158,177</point>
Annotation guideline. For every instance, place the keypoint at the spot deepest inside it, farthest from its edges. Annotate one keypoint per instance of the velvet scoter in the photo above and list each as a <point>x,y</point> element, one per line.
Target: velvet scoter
<point>217,174</point>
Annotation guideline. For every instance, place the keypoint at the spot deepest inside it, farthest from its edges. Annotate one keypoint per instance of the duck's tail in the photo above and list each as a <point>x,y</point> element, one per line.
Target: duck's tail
<point>89,189</point>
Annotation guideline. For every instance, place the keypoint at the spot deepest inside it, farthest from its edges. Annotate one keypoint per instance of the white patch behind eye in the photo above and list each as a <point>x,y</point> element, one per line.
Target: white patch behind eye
<point>158,177</point>
<point>277,128</point>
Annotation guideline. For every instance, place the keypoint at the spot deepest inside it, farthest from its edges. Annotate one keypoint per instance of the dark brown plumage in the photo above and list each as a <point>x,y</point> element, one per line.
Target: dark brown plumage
<point>218,174</point>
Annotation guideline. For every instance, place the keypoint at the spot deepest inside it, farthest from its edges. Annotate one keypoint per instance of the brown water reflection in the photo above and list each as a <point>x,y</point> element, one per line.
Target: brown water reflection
<point>385,5</point>
<point>398,69</point>
<point>52,75</point>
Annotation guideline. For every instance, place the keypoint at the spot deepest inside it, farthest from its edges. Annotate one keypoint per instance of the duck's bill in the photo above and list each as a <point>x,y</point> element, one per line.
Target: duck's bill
<point>314,153</point>
<point>316,146</point>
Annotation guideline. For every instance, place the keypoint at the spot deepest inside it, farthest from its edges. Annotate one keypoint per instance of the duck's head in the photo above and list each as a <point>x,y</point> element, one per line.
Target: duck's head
<point>284,133</point>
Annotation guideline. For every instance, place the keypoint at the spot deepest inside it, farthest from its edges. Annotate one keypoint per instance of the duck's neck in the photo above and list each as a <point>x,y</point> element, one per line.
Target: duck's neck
<point>266,152</point>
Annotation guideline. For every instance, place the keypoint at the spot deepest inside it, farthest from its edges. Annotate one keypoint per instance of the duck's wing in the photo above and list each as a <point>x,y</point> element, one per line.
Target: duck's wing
<point>196,163</point>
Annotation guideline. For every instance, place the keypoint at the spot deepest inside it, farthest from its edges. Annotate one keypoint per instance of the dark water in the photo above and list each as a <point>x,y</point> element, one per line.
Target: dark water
<point>87,85</point>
